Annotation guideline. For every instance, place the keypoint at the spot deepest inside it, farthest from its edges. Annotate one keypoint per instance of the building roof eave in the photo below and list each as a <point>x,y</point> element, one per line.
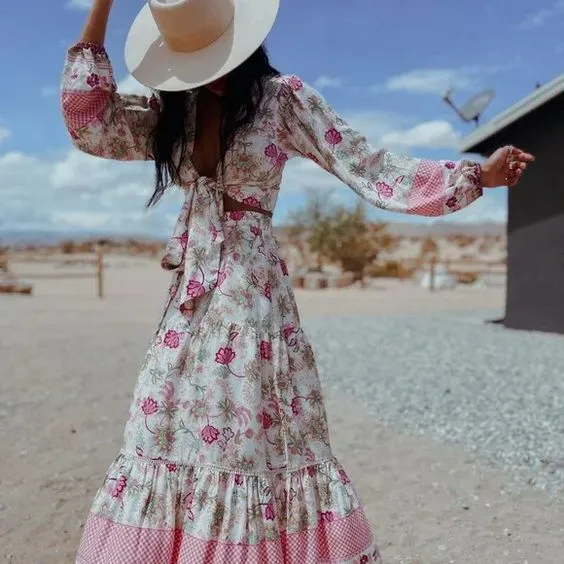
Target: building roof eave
<point>520,109</point>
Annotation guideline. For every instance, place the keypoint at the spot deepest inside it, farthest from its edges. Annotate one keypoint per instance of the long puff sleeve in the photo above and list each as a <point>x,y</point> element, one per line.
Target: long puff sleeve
<point>100,121</point>
<point>310,128</point>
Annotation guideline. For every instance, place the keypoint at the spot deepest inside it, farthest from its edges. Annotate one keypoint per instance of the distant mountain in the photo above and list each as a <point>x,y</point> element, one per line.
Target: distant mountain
<point>438,229</point>
<point>55,237</point>
<point>443,229</point>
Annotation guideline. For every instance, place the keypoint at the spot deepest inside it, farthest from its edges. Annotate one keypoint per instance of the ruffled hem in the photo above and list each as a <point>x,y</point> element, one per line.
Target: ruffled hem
<point>159,511</point>
<point>107,542</point>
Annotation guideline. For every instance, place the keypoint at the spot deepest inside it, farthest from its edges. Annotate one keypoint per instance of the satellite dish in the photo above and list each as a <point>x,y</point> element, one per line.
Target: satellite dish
<point>473,109</point>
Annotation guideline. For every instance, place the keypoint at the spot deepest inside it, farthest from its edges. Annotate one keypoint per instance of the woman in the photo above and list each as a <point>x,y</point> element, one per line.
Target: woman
<point>226,455</point>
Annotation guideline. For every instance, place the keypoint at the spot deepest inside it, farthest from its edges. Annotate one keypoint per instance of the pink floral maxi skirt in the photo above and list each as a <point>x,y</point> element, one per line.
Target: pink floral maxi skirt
<point>226,456</point>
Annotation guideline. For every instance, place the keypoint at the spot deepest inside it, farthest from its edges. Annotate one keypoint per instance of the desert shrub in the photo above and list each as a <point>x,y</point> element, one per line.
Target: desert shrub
<point>68,247</point>
<point>390,269</point>
<point>335,234</point>
<point>467,277</point>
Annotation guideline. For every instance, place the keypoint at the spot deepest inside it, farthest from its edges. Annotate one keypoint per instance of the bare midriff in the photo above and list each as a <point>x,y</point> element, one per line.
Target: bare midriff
<point>231,205</point>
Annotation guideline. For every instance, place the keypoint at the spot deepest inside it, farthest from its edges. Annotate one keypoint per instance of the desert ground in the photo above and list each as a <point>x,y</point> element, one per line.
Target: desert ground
<point>68,364</point>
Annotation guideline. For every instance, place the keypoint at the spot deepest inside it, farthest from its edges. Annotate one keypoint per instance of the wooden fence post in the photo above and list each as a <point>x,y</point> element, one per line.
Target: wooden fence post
<point>100,273</point>
<point>432,274</point>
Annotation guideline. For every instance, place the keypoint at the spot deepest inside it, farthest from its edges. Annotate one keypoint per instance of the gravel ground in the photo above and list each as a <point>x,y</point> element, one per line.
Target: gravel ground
<point>498,393</point>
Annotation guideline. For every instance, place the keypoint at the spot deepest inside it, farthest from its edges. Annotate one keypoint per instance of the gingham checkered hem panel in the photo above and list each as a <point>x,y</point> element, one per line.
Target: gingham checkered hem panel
<point>346,540</point>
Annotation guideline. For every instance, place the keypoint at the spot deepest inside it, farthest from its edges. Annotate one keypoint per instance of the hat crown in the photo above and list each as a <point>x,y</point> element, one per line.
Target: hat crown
<point>190,25</point>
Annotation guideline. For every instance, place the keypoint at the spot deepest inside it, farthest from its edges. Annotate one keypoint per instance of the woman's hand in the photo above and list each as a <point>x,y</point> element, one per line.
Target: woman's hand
<point>505,167</point>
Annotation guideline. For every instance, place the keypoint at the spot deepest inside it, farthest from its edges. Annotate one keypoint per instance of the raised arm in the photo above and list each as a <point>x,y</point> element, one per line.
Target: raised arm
<point>100,121</point>
<point>311,128</point>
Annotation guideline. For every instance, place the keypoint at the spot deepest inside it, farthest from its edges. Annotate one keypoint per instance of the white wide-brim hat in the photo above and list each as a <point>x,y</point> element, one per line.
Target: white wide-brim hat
<point>182,44</point>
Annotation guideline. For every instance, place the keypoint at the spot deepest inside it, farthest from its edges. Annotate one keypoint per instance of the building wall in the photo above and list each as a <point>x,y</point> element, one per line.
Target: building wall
<point>535,269</point>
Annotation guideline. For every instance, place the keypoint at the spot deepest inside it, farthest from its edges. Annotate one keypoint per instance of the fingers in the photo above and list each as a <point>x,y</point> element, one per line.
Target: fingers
<point>524,157</point>
<point>514,178</point>
<point>515,164</point>
<point>516,154</point>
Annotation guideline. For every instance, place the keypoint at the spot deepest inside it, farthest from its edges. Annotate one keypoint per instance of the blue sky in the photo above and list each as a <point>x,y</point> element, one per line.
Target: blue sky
<point>382,65</point>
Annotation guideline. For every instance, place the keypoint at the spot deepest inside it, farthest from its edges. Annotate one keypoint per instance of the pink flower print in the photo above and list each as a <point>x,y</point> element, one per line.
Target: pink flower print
<point>271,151</point>
<point>343,477</point>
<point>149,406</point>
<point>364,559</point>
<point>256,230</point>
<point>268,291</point>
<point>195,289</point>
<point>452,203</point>
<point>237,215</point>
<point>295,83</point>
<point>288,331</point>
<point>172,339</point>
<point>139,451</point>
<point>450,165</point>
<point>281,159</point>
<point>249,433</point>
<point>296,406</point>
<point>225,356</point>
<point>333,137</point>
<point>183,240</point>
<point>384,190</point>
<point>252,201</point>
<point>265,420</point>
<point>311,471</point>
<point>228,433</point>
<point>284,267</point>
<point>266,350</point>
<point>239,479</point>
<point>327,516</point>
<point>210,434</point>
<point>119,487</point>
<point>171,467</point>
<point>276,156</point>
<point>93,80</point>
<point>270,512</point>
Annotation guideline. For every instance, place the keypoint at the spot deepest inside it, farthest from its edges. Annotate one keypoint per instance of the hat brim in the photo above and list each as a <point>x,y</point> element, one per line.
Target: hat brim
<point>153,64</point>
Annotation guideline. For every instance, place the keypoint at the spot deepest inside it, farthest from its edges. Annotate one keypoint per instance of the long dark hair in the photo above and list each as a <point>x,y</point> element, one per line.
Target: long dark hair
<point>241,99</point>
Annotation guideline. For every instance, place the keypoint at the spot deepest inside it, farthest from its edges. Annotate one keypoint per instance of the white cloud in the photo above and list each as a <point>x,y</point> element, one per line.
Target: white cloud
<point>431,81</point>
<point>542,16</point>
<point>4,134</point>
<point>323,82</point>
<point>79,192</point>
<point>436,134</point>
<point>439,80</point>
<point>79,4</point>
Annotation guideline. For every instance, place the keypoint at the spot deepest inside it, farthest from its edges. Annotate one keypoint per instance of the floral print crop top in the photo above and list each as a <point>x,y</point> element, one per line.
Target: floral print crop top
<point>293,121</point>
